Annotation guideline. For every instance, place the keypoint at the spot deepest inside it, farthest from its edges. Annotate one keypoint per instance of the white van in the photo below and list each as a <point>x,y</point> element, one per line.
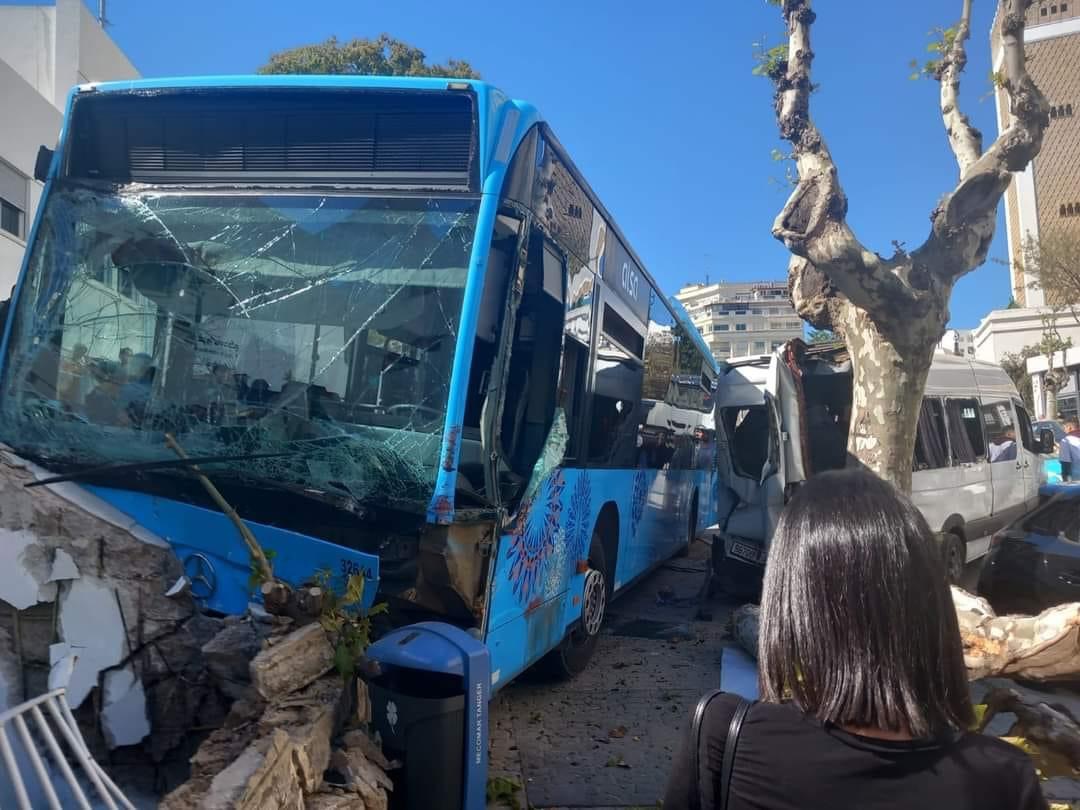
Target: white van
<point>782,417</point>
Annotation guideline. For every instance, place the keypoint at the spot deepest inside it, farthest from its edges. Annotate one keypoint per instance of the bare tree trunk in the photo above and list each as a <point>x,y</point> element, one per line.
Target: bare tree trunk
<point>892,310</point>
<point>887,385</point>
<point>1051,403</point>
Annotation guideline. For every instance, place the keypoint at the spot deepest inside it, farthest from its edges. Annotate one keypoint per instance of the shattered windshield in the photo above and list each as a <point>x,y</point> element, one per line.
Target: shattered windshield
<point>318,328</point>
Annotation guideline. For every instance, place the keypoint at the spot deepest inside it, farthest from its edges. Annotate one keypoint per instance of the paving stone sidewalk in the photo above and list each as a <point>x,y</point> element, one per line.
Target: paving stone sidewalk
<point>606,738</point>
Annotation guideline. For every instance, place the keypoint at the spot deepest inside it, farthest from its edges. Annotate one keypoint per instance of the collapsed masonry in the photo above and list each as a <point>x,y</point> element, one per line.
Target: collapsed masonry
<point>83,588</point>
<point>294,738</point>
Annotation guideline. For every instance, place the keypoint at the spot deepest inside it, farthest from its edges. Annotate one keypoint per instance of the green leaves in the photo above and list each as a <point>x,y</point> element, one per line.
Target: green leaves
<point>941,42</point>
<point>381,56</point>
<point>771,62</point>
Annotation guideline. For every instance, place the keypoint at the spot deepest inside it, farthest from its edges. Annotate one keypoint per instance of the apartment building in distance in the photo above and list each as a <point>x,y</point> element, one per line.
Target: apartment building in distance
<point>1045,197</point>
<point>739,318</point>
<point>45,49</point>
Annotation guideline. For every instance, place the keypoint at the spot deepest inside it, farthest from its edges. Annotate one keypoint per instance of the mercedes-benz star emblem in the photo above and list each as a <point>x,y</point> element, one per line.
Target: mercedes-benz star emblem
<point>201,572</point>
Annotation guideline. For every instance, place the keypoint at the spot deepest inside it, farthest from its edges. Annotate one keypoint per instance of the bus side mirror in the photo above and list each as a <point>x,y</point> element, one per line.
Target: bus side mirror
<point>1046,441</point>
<point>42,164</point>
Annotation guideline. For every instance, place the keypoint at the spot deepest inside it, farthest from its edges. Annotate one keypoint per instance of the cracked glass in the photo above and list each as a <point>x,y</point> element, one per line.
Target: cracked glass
<point>317,328</point>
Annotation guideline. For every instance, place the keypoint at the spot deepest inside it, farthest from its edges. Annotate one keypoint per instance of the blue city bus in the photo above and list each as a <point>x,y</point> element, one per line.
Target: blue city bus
<point>396,326</point>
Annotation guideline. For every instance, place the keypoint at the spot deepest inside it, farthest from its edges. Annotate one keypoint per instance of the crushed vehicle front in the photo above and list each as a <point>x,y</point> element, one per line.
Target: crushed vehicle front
<point>303,335</point>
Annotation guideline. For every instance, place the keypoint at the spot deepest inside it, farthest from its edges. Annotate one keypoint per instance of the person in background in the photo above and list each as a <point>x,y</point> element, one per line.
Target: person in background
<point>1069,449</point>
<point>865,700</point>
<point>125,361</point>
<point>77,374</point>
<point>102,403</point>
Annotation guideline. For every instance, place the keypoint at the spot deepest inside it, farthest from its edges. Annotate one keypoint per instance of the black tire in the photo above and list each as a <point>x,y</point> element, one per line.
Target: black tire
<point>954,557</point>
<point>691,529</point>
<point>572,655</point>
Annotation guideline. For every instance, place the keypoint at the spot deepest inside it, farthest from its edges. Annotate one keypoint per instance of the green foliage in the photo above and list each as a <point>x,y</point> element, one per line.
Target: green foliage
<point>255,572</point>
<point>1012,303</point>
<point>821,336</point>
<point>348,626</point>
<point>997,78</point>
<point>941,42</point>
<point>381,56</point>
<point>771,62</point>
<point>502,792</point>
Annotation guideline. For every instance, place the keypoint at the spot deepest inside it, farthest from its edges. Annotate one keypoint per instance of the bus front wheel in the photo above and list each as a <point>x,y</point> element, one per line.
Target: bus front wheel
<point>573,653</point>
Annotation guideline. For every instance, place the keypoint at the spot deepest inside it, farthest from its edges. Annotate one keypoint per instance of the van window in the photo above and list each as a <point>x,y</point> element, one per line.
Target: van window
<point>748,431</point>
<point>931,448</point>
<point>1000,430</point>
<point>1023,421</point>
<point>965,431</point>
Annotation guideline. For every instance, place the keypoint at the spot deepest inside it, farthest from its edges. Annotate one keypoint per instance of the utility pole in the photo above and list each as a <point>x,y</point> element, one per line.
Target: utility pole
<point>101,13</point>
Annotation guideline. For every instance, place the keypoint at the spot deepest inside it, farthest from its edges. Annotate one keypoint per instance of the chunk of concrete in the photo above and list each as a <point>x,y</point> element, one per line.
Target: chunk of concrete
<point>228,657</point>
<point>356,768</point>
<point>11,692</point>
<point>335,800</point>
<point>365,745</point>
<point>18,585</point>
<point>90,621</point>
<point>123,716</point>
<point>63,567</point>
<point>311,718</point>
<point>293,662</point>
<point>263,777</point>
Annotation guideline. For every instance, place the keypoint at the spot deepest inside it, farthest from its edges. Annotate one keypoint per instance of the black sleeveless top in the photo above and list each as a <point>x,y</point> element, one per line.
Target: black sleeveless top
<point>787,760</point>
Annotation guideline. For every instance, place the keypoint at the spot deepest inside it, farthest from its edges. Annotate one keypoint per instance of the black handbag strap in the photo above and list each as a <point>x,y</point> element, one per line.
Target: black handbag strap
<point>730,743</point>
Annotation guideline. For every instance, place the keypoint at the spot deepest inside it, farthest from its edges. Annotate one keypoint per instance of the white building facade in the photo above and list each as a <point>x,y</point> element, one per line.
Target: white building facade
<point>1010,331</point>
<point>741,318</point>
<point>960,342</point>
<point>44,51</point>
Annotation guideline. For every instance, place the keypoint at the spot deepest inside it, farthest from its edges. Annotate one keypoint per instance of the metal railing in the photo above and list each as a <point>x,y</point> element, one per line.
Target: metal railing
<point>36,767</point>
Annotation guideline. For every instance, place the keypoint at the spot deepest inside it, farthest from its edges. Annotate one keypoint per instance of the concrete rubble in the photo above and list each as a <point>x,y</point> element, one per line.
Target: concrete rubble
<point>81,596</point>
<point>288,733</point>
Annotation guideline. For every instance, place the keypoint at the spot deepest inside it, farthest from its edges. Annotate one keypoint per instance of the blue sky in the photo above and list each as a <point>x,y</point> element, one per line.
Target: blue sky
<point>656,103</point>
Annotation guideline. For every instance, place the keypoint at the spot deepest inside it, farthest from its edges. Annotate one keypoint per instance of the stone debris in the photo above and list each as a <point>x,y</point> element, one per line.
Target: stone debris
<point>293,662</point>
<point>1036,648</point>
<point>63,567</point>
<point>277,752</point>
<point>123,716</point>
<point>228,657</point>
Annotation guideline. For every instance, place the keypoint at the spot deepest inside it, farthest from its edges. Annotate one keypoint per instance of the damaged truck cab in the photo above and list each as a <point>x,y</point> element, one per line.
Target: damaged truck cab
<point>394,326</point>
<point>784,417</point>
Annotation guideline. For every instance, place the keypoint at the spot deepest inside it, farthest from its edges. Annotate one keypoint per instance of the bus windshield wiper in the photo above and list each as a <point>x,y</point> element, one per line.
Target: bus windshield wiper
<point>142,466</point>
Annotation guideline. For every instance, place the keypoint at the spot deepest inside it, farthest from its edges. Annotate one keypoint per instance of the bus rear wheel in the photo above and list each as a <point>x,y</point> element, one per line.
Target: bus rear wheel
<point>572,655</point>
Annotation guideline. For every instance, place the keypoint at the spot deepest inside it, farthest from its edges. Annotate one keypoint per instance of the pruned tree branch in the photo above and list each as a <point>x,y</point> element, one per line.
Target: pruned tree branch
<point>813,225</point>
<point>963,224</point>
<point>964,138</point>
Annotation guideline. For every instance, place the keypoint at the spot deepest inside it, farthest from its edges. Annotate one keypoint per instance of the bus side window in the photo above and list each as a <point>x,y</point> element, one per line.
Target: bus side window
<point>618,377</point>
<point>531,384</point>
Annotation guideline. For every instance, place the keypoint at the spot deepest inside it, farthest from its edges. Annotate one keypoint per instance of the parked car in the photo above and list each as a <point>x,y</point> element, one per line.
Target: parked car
<point>783,417</point>
<point>1034,563</point>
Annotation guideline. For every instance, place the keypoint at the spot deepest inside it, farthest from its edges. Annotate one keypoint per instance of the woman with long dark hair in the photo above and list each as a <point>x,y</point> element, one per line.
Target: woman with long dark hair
<point>864,694</point>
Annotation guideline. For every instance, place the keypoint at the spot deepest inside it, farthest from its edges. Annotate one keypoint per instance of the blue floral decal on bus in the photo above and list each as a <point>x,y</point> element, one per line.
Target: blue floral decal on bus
<point>637,500</point>
<point>534,535</point>
<point>578,518</point>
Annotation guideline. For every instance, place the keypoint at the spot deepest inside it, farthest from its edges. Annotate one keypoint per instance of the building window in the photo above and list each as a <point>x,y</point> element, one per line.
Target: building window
<point>759,347</point>
<point>723,349</point>
<point>13,201</point>
<point>776,344</point>
<point>721,327</point>
<point>740,327</point>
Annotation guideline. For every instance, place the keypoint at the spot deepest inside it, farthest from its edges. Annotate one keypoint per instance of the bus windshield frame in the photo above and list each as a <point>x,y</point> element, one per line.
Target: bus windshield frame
<point>313,330</point>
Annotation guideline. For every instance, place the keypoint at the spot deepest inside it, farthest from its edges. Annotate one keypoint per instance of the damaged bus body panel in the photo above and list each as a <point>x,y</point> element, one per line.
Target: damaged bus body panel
<point>784,417</point>
<point>405,335</point>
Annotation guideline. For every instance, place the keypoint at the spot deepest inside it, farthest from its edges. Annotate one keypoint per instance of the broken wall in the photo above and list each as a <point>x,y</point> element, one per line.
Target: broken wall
<point>83,605</point>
